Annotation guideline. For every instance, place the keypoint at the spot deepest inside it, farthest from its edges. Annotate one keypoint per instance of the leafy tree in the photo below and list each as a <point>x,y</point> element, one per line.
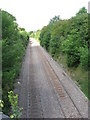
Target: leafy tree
<point>82,11</point>
<point>54,46</point>
<point>67,37</point>
<point>30,32</point>
<point>14,43</point>
<point>55,19</point>
<point>70,39</point>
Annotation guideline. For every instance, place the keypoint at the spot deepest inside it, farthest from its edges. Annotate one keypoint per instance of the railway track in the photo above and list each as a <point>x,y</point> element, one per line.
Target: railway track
<point>77,97</point>
<point>45,90</point>
<point>64,99</point>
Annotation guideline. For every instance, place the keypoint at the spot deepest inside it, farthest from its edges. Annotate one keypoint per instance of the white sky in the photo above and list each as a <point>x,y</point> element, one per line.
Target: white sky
<point>34,14</point>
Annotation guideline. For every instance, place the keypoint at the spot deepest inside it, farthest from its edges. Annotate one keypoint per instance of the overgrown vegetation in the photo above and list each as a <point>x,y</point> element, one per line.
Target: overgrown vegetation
<point>69,38</point>
<point>16,111</point>
<point>14,43</point>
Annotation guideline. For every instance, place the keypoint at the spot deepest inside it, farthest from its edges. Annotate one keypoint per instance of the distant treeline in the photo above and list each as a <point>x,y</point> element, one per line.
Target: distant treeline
<point>14,43</point>
<point>69,38</point>
<point>35,34</point>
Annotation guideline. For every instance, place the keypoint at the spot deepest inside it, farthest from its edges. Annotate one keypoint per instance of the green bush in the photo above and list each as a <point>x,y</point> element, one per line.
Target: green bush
<point>16,111</point>
<point>73,57</point>
<point>68,43</point>
<point>54,46</point>
<point>84,58</point>
<point>67,37</point>
<point>14,43</point>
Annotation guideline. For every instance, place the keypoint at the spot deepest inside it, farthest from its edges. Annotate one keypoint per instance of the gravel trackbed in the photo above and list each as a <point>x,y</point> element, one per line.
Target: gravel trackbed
<point>45,90</point>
